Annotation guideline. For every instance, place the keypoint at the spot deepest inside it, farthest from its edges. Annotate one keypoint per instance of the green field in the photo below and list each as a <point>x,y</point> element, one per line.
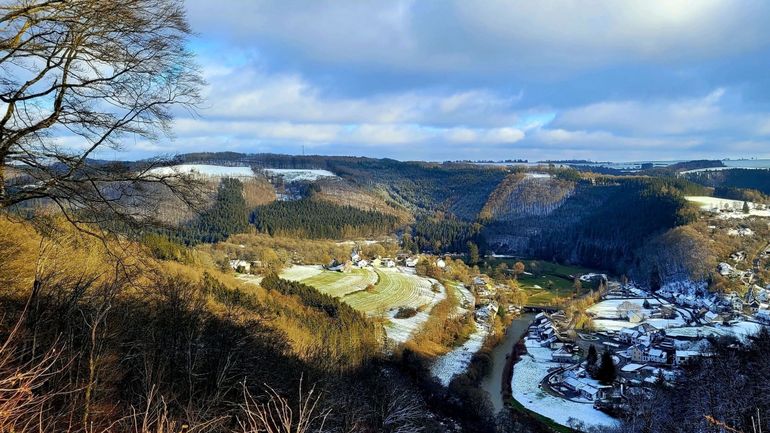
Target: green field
<point>339,284</point>
<point>394,289</point>
<point>548,280</point>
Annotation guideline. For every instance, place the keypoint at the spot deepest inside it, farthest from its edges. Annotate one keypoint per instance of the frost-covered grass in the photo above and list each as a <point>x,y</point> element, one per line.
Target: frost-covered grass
<point>456,361</point>
<point>301,272</point>
<point>339,284</point>
<point>395,289</point>
<point>608,309</point>
<point>296,175</point>
<point>741,330</point>
<point>608,318</point>
<point>714,204</point>
<point>204,170</point>
<point>525,384</point>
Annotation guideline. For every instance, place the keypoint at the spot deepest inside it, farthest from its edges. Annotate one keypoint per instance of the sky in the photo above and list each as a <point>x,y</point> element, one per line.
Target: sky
<point>603,80</point>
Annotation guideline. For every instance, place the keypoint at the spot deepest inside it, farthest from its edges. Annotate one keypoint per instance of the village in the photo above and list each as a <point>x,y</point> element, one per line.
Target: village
<point>639,340</point>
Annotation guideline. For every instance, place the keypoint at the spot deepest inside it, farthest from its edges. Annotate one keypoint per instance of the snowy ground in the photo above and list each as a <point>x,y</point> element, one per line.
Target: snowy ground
<point>608,309</point>
<point>527,374</point>
<point>456,361</point>
<point>292,175</point>
<point>401,330</point>
<point>740,330</point>
<point>609,319</point>
<point>301,272</point>
<point>249,278</point>
<point>204,170</point>
<point>713,204</point>
<point>538,175</point>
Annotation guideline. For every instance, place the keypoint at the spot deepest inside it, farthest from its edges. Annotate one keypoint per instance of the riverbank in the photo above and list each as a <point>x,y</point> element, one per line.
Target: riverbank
<point>493,381</point>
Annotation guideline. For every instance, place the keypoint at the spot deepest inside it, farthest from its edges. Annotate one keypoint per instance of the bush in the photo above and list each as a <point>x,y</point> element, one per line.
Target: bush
<point>405,313</point>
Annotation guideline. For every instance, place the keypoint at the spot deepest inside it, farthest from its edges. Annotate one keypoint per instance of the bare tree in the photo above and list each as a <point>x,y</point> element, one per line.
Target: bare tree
<point>81,76</point>
<point>277,416</point>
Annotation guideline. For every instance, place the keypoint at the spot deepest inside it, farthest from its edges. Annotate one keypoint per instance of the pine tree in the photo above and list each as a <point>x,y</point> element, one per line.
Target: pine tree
<point>473,253</point>
<point>591,358</point>
<point>607,372</point>
<point>746,208</point>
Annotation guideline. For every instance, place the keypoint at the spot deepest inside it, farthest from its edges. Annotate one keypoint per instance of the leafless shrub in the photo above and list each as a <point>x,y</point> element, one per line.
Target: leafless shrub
<point>277,415</point>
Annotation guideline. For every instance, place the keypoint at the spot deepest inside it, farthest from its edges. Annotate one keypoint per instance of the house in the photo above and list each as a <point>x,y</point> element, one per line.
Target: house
<point>388,262</point>
<point>725,269</point>
<point>682,356</point>
<point>657,356</point>
<point>440,263</point>
<point>411,261</point>
<point>637,353</point>
<point>362,263</point>
<point>486,312</point>
<point>584,387</point>
<point>240,266</point>
<point>628,335</point>
<point>635,316</point>
<point>738,256</point>
<point>355,257</point>
<point>340,267</point>
<point>562,355</point>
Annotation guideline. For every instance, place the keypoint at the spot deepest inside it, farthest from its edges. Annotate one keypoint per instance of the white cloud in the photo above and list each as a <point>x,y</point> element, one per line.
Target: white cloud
<point>709,113</point>
<point>491,34</point>
<point>246,93</point>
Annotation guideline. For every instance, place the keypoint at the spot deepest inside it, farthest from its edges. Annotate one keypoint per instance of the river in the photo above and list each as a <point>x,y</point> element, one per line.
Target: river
<point>493,382</point>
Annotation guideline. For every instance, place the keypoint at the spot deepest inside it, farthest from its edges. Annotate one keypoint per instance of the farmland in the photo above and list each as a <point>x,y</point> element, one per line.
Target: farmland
<point>545,281</point>
<point>337,284</point>
<point>394,289</point>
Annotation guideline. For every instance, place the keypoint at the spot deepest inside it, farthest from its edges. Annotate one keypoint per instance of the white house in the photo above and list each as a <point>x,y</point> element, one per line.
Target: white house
<point>241,266</point>
<point>411,261</point>
<point>682,356</point>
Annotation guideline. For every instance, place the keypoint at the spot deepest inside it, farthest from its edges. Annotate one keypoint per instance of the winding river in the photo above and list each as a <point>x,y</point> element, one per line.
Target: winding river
<point>493,382</point>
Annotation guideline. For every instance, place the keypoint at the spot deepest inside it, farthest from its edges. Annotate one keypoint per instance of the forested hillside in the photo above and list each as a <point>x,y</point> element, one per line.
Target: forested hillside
<point>526,194</point>
<point>756,179</point>
<point>320,219</point>
<point>96,335</point>
<point>601,225</point>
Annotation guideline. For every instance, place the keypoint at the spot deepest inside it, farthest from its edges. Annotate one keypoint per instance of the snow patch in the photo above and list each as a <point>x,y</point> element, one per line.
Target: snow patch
<point>296,175</point>
<point>203,170</point>
<point>456,361</point>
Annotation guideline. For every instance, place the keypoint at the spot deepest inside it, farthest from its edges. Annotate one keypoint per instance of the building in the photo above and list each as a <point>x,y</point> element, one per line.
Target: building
<point>412,261</point>
<point>240,266</point>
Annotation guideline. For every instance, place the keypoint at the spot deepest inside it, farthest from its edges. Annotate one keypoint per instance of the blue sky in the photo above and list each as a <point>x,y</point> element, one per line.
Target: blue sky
<point>440,80</point>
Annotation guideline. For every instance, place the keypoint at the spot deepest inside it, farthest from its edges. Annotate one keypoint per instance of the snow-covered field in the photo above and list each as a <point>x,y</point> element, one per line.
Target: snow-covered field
<point>456,361</point>
<point>525,384</point>
<point>608,309</point>
<point>295,175</point>
<point>608,317</point>
<point>740,330</point>
<point>538,175</point>
<point>204,170</point>
<point>714,204</point>
<point>301,272</point>
<point>401,330</point>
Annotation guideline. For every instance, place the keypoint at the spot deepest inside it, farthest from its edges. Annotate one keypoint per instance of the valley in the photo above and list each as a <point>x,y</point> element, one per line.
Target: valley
<point>493,301</point>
